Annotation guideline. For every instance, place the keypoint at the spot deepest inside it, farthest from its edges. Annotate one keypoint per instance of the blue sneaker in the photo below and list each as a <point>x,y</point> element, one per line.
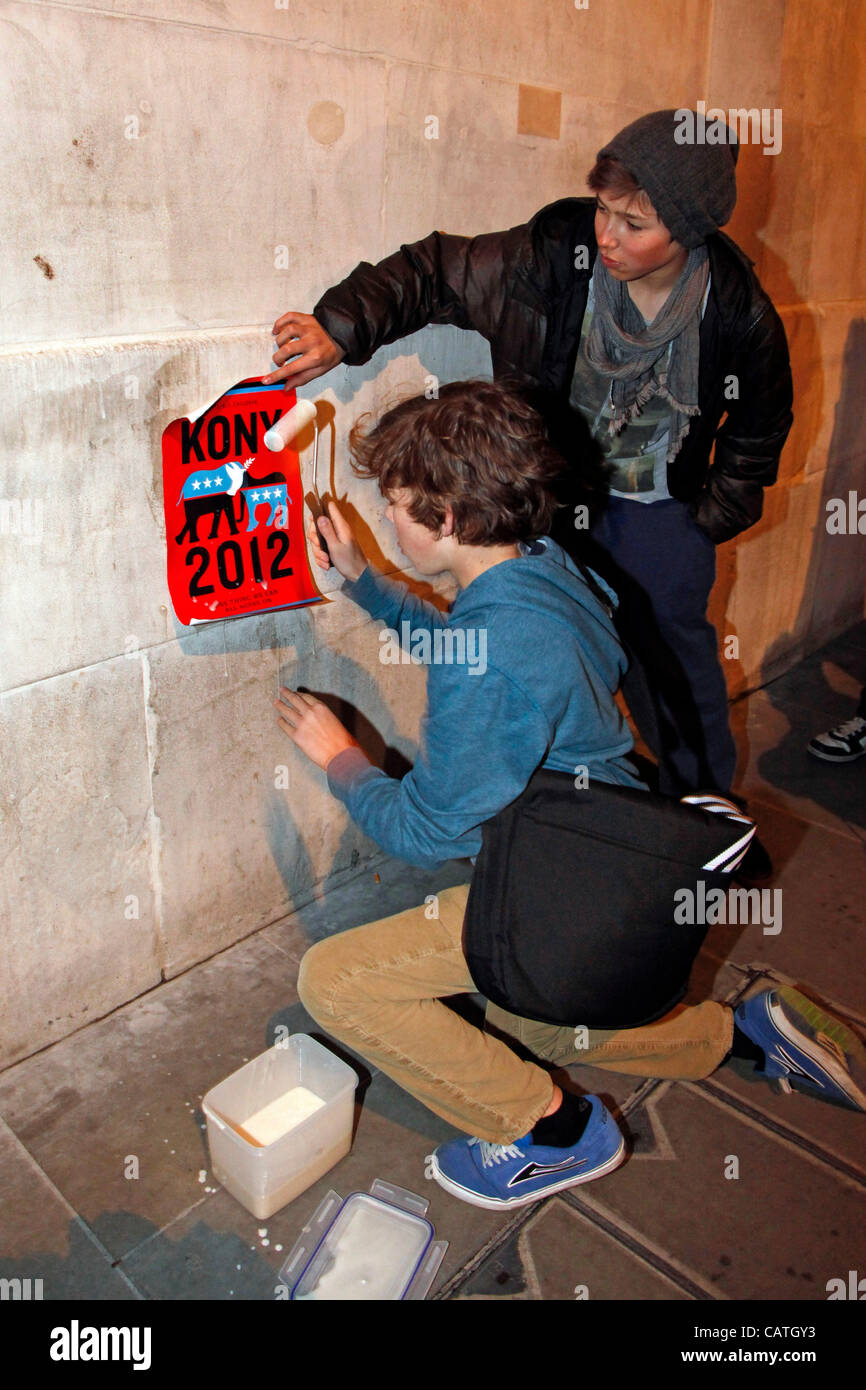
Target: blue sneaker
<point>500,1176</point>
<point>805,1047</point>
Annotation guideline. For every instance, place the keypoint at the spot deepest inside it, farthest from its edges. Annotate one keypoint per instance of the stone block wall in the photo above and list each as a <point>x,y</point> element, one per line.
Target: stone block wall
<point>156,159</point>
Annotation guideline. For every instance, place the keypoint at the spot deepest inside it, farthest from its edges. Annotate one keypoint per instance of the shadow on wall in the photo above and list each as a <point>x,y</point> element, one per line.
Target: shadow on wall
<point>837,567</point>
<point>285,831</point>
<point>808,379</point>
<point>805,351</point>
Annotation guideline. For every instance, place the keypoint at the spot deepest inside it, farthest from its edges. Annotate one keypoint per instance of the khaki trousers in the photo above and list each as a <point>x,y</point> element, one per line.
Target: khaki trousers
<point>378,988</point>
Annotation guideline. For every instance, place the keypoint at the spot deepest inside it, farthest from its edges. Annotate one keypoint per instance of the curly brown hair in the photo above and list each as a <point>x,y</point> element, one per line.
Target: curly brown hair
<point>478,447</point>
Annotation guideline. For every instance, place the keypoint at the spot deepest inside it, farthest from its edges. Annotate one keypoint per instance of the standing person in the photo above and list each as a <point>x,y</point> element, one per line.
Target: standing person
<point>636,321</point>
<point>468,480</point>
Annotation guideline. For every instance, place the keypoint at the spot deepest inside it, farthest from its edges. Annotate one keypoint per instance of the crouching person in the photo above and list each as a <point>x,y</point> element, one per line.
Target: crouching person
<point>469,480</point>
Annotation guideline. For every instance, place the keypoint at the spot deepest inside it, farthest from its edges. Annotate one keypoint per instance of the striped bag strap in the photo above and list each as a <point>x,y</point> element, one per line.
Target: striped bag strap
<point>730,858</point>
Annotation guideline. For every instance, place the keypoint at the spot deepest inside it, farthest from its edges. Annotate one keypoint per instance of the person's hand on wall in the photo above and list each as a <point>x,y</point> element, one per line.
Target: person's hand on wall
<point>312,727</point>
<point>344,550</point>
<point>301,338</point>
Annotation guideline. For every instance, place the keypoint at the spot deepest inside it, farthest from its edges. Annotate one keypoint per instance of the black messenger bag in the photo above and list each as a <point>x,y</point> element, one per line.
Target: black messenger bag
<point>571,911</point>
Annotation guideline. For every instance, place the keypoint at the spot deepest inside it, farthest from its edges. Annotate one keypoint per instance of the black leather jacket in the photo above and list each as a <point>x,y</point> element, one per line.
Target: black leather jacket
<point>525,291</point>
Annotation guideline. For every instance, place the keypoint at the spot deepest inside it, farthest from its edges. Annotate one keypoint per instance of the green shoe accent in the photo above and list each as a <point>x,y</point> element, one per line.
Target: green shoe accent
<point>822,1022</point>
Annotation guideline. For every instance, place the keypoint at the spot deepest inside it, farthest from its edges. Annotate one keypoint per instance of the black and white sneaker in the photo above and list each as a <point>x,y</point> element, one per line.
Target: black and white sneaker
<point>842,744</point>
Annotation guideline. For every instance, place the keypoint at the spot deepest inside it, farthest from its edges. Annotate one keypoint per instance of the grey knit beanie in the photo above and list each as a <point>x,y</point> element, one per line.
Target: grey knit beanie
<point>692,186</point>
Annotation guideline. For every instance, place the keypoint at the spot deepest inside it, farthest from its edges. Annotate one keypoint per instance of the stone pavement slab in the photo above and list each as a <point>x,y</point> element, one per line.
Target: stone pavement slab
<point>839,1132</point>
<point>44,1242</point>
<point>819,891</point>
<point>774,727</point>
<point>779,1230</point>
<point>780,772</point>
<point>197,1256</point>
<point>129,1088</point>
<point>559,1254</point>
<point>828,681</point>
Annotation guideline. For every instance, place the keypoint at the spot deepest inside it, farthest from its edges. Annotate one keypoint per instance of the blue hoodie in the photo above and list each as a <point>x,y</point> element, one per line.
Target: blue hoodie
<point>543,695</point>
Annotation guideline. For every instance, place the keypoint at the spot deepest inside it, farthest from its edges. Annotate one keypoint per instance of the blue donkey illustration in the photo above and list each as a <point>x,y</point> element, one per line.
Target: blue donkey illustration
<point>212,492</point>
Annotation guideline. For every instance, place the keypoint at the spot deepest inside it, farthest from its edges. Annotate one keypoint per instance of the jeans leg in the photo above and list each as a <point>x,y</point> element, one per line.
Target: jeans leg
<point>663,568</point>
<point>378,989</point>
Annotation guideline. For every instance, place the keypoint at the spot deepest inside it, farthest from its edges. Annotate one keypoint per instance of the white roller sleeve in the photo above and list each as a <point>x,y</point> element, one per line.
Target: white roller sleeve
<point>289,425</point>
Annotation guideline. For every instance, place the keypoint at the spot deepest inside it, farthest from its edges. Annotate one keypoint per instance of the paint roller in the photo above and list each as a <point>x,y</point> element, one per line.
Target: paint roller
<point>287,427</point>
<point>291,424</point>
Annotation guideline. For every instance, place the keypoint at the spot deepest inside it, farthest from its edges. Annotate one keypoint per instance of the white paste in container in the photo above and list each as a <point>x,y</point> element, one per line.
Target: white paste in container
<point>280,1115</point>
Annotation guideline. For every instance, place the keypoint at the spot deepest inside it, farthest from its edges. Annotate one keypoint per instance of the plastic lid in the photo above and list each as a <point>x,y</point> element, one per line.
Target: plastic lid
<point>376,1245</point>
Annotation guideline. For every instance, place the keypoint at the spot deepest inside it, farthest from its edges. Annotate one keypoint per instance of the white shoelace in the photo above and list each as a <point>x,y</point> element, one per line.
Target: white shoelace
<point>496,1153</point>
<point>857,725</point>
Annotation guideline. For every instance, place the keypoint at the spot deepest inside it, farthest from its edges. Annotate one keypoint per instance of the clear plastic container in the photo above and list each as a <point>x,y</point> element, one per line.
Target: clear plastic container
<point>377,1245</point>
<point>264,1177</point>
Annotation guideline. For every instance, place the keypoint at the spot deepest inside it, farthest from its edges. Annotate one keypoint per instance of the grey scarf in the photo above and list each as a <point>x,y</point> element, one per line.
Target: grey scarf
<point>635,354</point>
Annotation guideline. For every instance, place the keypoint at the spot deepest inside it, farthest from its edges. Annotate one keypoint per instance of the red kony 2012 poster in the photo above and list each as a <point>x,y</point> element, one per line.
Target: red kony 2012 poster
<point>234,523</point>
